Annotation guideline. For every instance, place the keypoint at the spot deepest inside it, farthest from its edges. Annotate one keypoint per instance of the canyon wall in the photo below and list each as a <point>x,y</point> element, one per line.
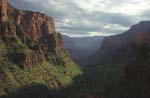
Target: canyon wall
<point>34,35</point>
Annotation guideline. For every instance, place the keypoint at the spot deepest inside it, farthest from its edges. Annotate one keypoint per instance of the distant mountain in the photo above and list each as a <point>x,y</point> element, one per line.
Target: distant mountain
<point>81,47</point>
<point>126,55</point>
<point>69,43</point>
<point>129,47</point>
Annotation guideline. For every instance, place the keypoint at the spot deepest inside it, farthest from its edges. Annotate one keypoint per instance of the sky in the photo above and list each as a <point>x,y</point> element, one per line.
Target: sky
<point>78,18</point>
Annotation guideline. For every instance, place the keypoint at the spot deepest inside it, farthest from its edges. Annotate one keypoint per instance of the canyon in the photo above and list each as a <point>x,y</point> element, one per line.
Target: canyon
<point>36,61</point>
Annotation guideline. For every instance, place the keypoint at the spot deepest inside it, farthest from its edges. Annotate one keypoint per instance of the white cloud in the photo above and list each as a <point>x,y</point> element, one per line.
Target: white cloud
<point>115,26</point>
<point>91,17</point>
<point>132,8</point>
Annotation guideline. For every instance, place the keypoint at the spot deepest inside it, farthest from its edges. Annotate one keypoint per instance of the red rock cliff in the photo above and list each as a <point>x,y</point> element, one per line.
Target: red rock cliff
<point>3,10</point>
<point>35,32</point>
<point>35,24</point>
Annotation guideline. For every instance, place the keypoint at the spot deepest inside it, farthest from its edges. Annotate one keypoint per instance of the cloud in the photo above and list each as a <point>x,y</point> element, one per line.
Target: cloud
<point>90,17</point>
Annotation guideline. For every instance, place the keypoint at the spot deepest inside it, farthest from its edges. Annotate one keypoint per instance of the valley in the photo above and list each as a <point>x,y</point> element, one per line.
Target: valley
<point>81,47</point>
<point>36,61</point>
<point>119,68</point>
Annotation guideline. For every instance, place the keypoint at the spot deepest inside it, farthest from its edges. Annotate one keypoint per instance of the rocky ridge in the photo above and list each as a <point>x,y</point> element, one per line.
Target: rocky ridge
<point>34,34</point>
<point>125,48</point>
<point>33,61</point>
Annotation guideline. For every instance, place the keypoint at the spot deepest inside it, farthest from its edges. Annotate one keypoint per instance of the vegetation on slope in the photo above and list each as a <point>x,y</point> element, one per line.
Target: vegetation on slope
<point>53,76</point>
<point>50,75</point>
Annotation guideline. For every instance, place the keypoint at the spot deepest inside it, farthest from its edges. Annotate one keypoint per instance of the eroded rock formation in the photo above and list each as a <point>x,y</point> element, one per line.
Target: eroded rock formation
<point>30,36</point>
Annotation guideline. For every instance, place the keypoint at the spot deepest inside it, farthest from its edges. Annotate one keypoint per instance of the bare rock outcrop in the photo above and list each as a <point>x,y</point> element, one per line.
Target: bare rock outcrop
<point>34,35</point>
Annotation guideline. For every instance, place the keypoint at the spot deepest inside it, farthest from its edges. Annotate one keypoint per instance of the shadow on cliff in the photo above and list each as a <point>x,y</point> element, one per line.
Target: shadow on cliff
<point>42,91</point>
<point>32,91</point>
<point>85,85</point>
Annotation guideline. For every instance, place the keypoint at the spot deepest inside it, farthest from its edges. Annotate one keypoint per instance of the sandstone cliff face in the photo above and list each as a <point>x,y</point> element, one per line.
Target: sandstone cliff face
<point>35,24</point>
<point>31,32</point>
<point>3,15</point>
<point>3,10</point>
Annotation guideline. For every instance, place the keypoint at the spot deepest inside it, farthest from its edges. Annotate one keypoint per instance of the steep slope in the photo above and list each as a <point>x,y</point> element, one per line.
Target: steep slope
<point>81,47</point>
<point>31,53</point>
<point>130,52</point>
<point>124,48</point>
